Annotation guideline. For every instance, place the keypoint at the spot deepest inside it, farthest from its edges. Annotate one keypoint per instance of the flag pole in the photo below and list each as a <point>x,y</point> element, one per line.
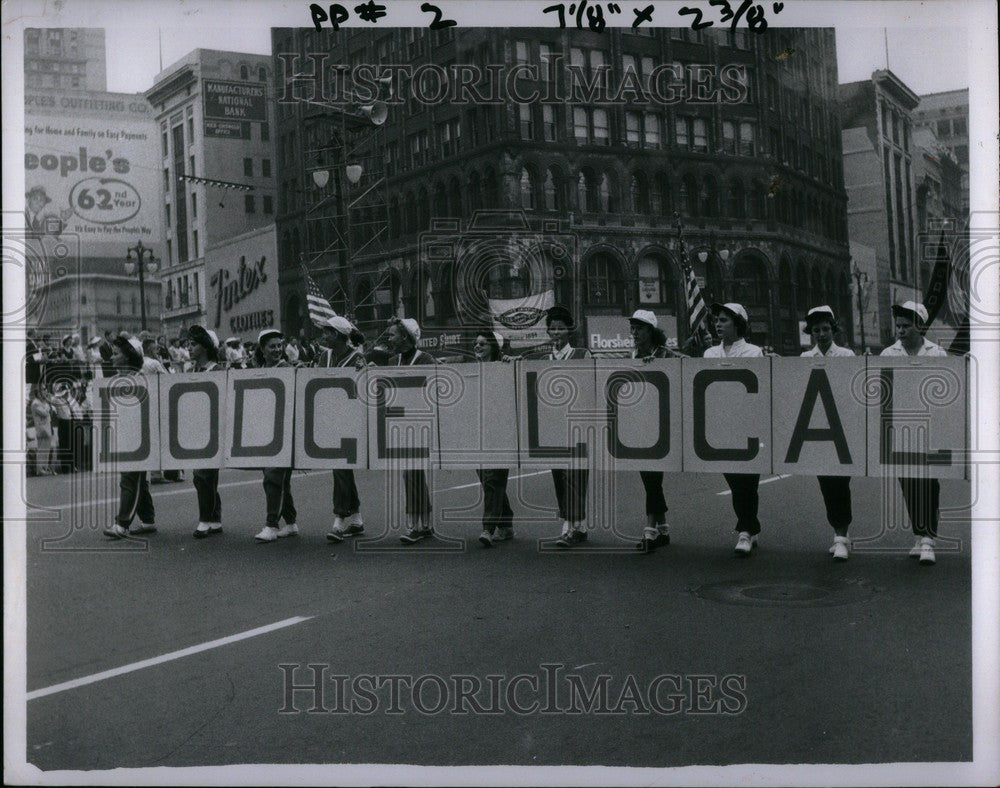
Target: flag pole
<point>686,266</point>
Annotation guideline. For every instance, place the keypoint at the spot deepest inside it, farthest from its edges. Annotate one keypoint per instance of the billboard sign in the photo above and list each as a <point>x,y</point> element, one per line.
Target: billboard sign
<point>230,107</point>
<point>242,277</point>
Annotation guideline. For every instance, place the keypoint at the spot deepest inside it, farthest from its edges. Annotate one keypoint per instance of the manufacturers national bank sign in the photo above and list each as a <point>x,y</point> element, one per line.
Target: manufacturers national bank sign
<point>242,276</point>
<point>230,107</point>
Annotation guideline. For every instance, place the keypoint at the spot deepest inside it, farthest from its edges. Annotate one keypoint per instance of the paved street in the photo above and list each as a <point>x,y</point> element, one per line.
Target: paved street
<point>867,661</point>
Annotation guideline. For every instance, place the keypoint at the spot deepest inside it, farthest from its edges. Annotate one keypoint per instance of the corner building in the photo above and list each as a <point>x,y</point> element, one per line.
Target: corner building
<point>758,182</point>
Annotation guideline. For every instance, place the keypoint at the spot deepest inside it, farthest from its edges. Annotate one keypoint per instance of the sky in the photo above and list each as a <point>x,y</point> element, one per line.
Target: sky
<point>928,60</point>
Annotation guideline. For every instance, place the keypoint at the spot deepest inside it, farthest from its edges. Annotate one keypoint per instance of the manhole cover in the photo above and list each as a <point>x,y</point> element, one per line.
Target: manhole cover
<point>786,594</point>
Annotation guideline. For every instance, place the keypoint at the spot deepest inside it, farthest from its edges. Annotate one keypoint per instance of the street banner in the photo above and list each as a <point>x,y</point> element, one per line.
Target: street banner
<point>522,320</point>
<point>260,407</point>
<point>478,415</point>
<point>127,427</point>
<point>331,428</point>
<point>402,418</point>
<point>917,416</point>
<point>642,405</point>
<point>819,421</point>
<point>727,415</point>
<point>193,420</point>
<point>558,421</point>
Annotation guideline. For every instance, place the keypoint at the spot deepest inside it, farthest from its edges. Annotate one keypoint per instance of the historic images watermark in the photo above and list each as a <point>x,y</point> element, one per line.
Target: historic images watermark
<point>555,689</point>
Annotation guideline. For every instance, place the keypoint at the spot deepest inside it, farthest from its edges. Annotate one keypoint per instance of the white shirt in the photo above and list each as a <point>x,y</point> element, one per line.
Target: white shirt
<point>927,349</point>
<point>835,350</point>
<point>152,366</point>
<point>291,352</point>
<point>739,349</point>
<point>564,353</point>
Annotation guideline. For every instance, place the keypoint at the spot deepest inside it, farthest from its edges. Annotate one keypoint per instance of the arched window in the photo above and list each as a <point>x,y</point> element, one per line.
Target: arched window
<point>607,195</point>
<point>689,194</point>
<point>737,199</point>
<point>587,192</point>
<point>656,285</point>
<point>527,190</point>
<point>753,291</point>
<point>605,286</point>
<point>639,193</point>
<point>710,197</point>
<point>553,184</point>
<point>662,199</point>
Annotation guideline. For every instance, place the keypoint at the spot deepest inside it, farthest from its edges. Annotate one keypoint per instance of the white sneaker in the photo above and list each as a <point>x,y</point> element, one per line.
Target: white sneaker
<point>336,532</point>
<point>116,532</point>
<point>915,550</point>
<point>850,545</point>
<point>927,550</point>
<point>354,519</point>
<point>201,531</point>
<point>841,548</point>
<point>503,534</point>
<point>744,544</point>
<point>267,534</point>
<point>288,529</point>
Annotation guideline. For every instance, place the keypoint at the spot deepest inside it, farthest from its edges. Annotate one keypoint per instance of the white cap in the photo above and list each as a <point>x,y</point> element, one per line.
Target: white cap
<point>499,338</point>
<point>213,336</point>
<point>411,327</point>
<point>911,309</point>
<point>94,341</point>
<point>135,344</point>
<point>233,339</point>
<point>341,325</point>
<point>268,332</point>
<point>818,312</point>
<point>736,309</point>
<point>644,316</point>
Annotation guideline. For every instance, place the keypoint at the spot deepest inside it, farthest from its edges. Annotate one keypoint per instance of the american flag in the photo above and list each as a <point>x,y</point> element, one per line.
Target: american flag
<point>697,312</point>
<point>319,308</point>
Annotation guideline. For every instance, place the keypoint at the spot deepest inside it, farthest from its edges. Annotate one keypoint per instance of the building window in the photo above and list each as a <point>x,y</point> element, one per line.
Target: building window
<point>632,129</point>
<point>527,190</point>
<point>651,127</point>
<point>265,168</point>
<point>194,238</point>
<point>524,121</point>
<point>268,201</point>
<point>729,137</point>
<point>581,126</point>
<point>681,132</point>
<point>521,52</point>
<point>261,74</point>
<point>639,193</point>
<point>190,139</point>
<point>244,72</point>
<point>167,206</point>
<point>248,203</point>
<point>248,167</point>
<point>552,185</point>
<point>546,56</point>
<point>549,122</point>
<point>166,151</point>
<point>699,135</point>
<point>194,205</point>
<point>170,252</point>
<point>191,162</point>
<point>655,285</point>
<point>748,139</point>
<point>602,130</point>
<point>166,179</point>
<point>604,282</point>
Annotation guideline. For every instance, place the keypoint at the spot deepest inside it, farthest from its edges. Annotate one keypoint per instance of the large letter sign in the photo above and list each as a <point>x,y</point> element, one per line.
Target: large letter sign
<point>128,434</point>
<point>331,430</point>
<point>192,420</point>
<point>402,418</point>
<point>477,416</point>
<point>557,413</point>
<point>261,403</point>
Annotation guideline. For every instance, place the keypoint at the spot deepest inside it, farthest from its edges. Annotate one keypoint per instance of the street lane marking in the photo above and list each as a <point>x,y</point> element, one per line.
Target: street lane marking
<point>146,663</point>
<point>763,481</point>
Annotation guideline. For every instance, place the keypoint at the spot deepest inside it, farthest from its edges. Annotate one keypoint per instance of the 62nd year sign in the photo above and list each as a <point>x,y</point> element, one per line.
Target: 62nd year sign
<point>836,417</point>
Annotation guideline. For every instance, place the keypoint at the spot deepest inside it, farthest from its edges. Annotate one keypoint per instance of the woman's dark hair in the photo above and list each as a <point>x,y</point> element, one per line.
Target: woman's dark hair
<point>658,337</point>
<point>834,325</point>
<point>357,338</point>
<point>495,350</point>
<point>106,351</point>
<point>559,313</point>
<point>133,357</point>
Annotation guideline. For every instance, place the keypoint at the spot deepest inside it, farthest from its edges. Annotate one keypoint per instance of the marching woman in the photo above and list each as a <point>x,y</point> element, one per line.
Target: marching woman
<point>836,490</point>
<point>570,484</point>
<point>732,327</point>
<point>650,343</point>
<point>277,481</point>
<point>134,498</point>
<point>498,517</point>
<point>343,342</point>
<point>922,496</point>
<point>203,348</point>
<point>402,338</point>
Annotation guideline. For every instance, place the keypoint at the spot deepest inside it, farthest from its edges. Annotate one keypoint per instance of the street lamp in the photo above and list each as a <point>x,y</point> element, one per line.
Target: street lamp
<point>144,266</point>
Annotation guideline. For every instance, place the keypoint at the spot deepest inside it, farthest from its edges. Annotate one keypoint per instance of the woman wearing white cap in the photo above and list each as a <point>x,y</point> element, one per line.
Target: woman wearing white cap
<point>498,517</point>
<point>651,342</point>
<point>203,349</point>
<point>277,481</point>
<point>403,337</point>
<point>343,342</point>
<point>922,496</point>
<point>836,490</point>
<point>134,498</point>
<point>732,327</point>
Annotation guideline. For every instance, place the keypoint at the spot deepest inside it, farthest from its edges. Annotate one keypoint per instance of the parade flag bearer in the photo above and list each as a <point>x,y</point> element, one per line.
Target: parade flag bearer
<point>836,490</point>
<point>277,481</point>
<point>203,349</point>
<point>732,327</point>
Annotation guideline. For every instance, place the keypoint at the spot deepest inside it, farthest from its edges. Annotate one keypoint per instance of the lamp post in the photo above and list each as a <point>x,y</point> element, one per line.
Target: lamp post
<point>861,278</point>
<point>144,266</point>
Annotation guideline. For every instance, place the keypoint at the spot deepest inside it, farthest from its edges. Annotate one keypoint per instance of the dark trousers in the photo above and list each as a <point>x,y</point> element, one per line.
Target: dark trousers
<point>206,485</point>
<point>837,498</point>
<point>345,493</point>
<point>278,495</point>
<point>134,499</point>
<point>172,476</point>
<point>745,500</point>
<point>418,498</point>
<point>64,454</point>
<point>656,504</point>
<point>571,493</point>
<point>81,431</point>
<point>922,497</point>
<point>496,505</point>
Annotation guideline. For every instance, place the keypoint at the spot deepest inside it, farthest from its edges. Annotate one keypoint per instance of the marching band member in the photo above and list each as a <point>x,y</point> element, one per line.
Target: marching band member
<point>498,517</point>
<point>134,497</point>
<point>277,481</point>
<point>402,338</point>
<point>732,327</point>
<point>650,343</point>
<point>922,496</point>
<point>570,485</point>
<point>203,350</point>
<point>343,342</point>
<point>836,490</point>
